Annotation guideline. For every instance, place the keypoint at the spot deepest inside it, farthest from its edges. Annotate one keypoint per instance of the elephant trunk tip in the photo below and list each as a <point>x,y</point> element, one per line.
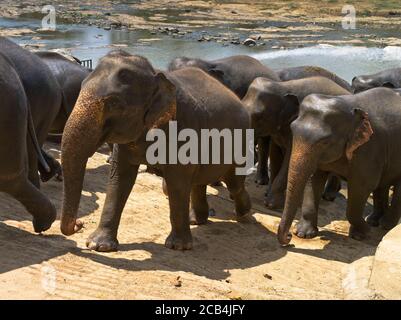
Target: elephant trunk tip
<point>284,236</point>
<point>70,225</point>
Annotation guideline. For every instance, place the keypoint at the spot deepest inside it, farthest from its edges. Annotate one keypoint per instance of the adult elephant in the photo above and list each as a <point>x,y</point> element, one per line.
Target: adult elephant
<point>119,102</point>
<point>353,136</point>
<point>19,147</point>
<point>390,78</point>
<point>273,106</point>
<point>69,75</point>
<point>236,73</point>
<point>312,71</point>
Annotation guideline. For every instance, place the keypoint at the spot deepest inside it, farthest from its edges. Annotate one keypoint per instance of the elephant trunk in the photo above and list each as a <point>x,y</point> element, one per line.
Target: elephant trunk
<point>302,166</point>
<point>81,138</point>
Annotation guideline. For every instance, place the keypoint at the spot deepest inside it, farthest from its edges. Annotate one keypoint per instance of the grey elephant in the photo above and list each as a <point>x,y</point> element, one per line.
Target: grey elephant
<point>390,78</point>
<point>312,71</point>
<point>355,137</point>
<point>273,106</point>
<point>122,99</point>
<point>236,73</point>
<point>27,88</point>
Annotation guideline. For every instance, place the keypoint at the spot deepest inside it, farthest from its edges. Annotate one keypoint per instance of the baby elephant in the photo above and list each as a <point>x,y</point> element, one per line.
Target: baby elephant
<point>356,137</point>
<point>122,99</point>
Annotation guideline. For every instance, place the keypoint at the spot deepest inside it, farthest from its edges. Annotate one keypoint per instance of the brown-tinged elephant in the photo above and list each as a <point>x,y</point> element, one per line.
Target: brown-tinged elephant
<point>236,73</point>
<point>122,99</point>
<point>273,106</point>
<point>26,86</point>
<point>354,136</point>
<point>312,71</point>
<point>390,78</point>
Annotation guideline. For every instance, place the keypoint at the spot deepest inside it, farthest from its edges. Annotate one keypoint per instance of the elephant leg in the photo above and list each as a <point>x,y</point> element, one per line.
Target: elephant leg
<point>276,197</point>
<point>37,204</point>
<point>122,178</point>
<point>262,174</point>
<point>276,158</point>
<point>357,198</point>
<point>333,185</point>
<point>236,187</point>
<point>307,225</point>
<point>391,217</point>
<point>380,206</point>
<point>199,207</point>
<point>178,190</point>
<point>33,168</point>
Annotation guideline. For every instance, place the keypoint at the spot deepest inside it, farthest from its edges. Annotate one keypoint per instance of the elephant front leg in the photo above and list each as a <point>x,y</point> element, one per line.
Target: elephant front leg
<point>391,217</point>
<point>262,175</point>
<point>178,189</point>
<point>307,225</point>
<point>121,180</point>
<point>357,198</point>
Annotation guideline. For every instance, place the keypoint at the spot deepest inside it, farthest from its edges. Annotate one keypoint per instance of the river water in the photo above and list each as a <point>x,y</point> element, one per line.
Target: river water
<point>89,42</point>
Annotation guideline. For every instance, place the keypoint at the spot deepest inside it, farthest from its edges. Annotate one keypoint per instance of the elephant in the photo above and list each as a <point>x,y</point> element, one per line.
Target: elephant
<point>236,73</point>
<point>119,102</point>
<point>69,75</point>
<point>355,137</point>
<point>312,71</point>
<point>390,78</point>
<point>19,148</point>
<point>273,106</point>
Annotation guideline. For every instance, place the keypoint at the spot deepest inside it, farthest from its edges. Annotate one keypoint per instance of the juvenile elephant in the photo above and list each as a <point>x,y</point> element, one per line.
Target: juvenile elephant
<point>119,102</point>
<point>236,73</point>
<point>69,75</point>
<point>312,71</point>
<point>355,137</point>
<point>273,106</point>
<point>390,78</point>
<point>19,148</point>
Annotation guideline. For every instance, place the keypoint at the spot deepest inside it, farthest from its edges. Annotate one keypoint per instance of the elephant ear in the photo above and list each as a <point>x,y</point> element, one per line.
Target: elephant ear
<point>162,107</point>
<point>362,133</point>
<point>290,109</point>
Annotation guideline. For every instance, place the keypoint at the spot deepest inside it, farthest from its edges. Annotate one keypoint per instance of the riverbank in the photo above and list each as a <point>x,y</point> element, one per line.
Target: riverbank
<point>276,24</point>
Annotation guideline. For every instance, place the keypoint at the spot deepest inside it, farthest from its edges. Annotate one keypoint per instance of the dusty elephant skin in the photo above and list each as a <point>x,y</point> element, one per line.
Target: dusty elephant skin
<point>390,78</point>
<point>237,74</point>
<point>121,99</point>
<point>17,153</point>
<point>351,136</point>
<point>273,106</point>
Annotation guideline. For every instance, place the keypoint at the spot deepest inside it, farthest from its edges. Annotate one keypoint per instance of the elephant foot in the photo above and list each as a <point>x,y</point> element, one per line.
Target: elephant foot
<point>198,219</point>
<point>44,221</point>
<point>176,242</point>
<point>306,230</point>
<point>242,205</point>
<point>275,201</point>
<point>101,240</point>
<point>358,233</point>
<point>262,178</point>
<point>374,219</point>
<point>387,222</point>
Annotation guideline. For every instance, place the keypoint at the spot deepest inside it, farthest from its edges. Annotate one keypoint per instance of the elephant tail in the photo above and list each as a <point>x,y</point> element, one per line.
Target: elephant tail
<point>34,139</point>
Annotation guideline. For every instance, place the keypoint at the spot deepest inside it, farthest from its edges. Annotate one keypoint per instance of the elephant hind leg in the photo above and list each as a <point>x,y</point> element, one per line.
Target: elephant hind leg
<point>37,204</point>
<point>391,217</point>
<point>236,187</point>
<point>199,212</point>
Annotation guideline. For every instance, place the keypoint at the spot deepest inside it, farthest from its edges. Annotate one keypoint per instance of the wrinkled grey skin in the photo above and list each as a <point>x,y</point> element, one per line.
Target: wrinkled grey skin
<point>119,102</point>
<point>236,73</point>
<point>354,136</point>
<point>273,106</point>
<point>69,75</point>
<point>312,71</point>
<point>390,78</point>
<point>27,87</point>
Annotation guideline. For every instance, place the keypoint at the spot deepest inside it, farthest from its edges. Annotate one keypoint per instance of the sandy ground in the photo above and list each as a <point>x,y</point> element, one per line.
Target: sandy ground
<point>229,260</point>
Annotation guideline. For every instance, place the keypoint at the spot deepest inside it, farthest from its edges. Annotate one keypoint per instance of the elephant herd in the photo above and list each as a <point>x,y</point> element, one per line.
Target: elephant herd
<point>312,130</point>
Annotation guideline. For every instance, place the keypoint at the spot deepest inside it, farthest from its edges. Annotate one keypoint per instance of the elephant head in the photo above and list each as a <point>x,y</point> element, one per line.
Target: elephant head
<point>120,100</point>
<point>363,83</point>
<point>327,129</point>
<point>270,105</point>
<point>207,66</point>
